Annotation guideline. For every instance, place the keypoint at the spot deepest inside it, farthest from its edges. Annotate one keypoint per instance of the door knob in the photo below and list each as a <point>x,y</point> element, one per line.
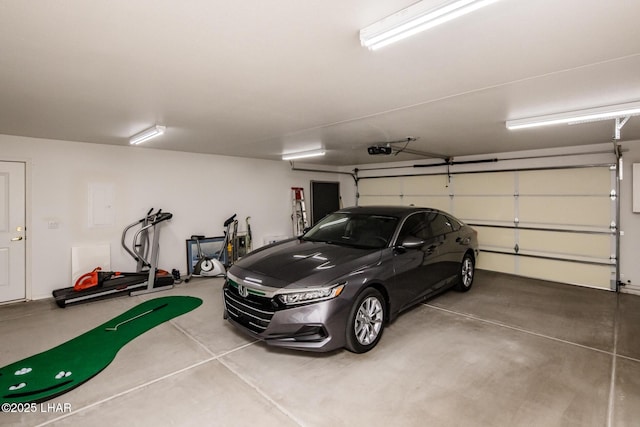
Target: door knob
<point>15,239</point>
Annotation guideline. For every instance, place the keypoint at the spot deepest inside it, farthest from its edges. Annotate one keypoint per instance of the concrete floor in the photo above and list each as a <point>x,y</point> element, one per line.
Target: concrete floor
<point>511,352</point>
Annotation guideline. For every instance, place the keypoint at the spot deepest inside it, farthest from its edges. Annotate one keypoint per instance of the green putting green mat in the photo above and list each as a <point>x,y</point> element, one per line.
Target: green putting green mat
<point>63,368</point>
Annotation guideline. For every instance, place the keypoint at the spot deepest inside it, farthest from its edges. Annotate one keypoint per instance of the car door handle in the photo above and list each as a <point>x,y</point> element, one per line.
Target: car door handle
<point>15,239</point>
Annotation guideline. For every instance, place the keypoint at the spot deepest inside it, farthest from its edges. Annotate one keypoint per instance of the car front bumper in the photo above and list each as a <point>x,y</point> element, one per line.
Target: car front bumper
<point>313,327</point>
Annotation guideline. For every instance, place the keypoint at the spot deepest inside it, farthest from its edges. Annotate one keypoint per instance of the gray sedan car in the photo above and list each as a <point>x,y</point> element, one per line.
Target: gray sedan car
<point>357,269</point>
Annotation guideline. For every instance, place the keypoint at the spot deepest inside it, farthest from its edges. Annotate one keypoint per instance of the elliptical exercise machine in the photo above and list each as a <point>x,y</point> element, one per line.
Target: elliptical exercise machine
<point>99,285</point>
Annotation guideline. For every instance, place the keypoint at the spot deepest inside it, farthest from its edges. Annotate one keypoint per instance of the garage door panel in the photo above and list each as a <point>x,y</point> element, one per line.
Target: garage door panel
<point>571,244</point>
<point>493,183</point>
<point>435,185</point>
<point>509,208</point>
<point>382,186</point>
<point>493,237</point>
<point>581,181</point>
<point>596,276</point>
<point>379,200</point>
<point>569,211</point>
<point>443,202</point>
<point>472,209</point>
<point>496,262</point>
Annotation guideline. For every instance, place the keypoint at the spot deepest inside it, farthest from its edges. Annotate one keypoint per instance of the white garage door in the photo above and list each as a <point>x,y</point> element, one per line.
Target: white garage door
<point>552,224</point>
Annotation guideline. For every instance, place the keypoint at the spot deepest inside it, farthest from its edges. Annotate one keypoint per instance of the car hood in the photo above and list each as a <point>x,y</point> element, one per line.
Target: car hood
<point>297,263</point>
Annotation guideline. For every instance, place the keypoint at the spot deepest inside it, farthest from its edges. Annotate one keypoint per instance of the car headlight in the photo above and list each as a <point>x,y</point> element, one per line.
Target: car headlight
<point>311,295</point>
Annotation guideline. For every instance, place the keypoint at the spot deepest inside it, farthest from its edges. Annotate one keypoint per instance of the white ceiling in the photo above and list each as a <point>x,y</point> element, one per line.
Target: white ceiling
<point>259,78</point>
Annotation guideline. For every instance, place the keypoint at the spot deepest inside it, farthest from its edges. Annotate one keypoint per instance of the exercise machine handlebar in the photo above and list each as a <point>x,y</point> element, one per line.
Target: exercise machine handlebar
<point>161,216</point>
<point>139,247</point>
<point>230,220</point>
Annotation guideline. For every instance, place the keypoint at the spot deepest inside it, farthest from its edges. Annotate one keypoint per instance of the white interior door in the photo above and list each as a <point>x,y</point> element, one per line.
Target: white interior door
<point>12,231</point>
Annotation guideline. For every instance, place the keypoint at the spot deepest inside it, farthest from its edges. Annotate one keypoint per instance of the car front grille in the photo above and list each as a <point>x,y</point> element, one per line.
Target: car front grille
<point>252,312</point>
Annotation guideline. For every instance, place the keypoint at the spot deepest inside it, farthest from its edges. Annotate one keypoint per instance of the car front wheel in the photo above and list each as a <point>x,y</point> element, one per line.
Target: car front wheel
<point>366,321</point>
<point>466,273</point>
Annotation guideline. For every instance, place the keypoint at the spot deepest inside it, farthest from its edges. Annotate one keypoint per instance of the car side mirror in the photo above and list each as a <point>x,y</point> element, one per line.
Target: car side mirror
<point>412,242</point>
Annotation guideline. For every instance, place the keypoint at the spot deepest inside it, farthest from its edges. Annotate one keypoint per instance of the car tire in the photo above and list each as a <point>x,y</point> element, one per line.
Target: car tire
<point>465,274</point>
<point>366,321</point>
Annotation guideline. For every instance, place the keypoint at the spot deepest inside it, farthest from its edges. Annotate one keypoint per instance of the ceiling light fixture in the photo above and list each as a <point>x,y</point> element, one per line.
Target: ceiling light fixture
<point>414,19</point>
<point>303,154</point>
<point>146,135</point>
<point>580,116</point>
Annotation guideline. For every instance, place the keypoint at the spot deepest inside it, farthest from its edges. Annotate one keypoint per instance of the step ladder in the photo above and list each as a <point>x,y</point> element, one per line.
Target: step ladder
<point>299,211</point>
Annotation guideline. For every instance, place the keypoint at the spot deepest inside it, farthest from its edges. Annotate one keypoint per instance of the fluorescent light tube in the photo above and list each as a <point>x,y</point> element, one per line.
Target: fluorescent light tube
<point>303,154</point>
<point>147,134</point>
<point>414,19</point>
<point>580,116</point>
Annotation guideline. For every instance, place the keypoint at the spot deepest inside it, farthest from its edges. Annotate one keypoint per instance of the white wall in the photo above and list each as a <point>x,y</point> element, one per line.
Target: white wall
<point>200,190</point>
<point>630,222</point>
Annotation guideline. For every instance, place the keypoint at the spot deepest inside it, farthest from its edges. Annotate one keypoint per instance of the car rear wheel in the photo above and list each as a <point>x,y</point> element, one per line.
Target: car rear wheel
<point>466,273</point>
<point>366,321</point>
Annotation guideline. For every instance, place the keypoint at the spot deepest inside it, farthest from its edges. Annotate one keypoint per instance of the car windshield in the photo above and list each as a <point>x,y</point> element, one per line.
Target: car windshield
<point>359,230</point>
